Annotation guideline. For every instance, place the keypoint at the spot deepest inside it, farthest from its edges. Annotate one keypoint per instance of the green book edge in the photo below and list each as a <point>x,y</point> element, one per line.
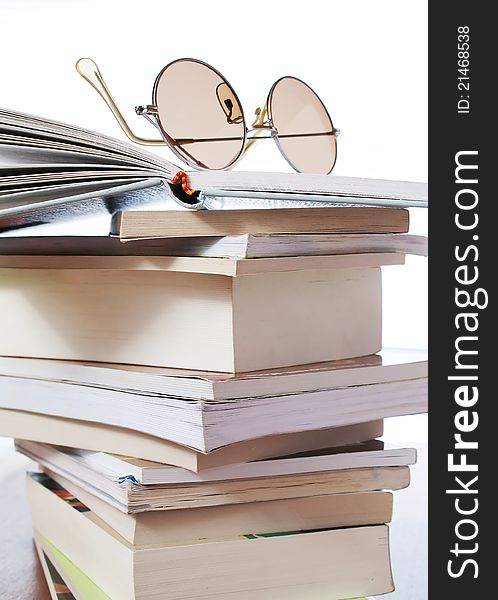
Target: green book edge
<point>87,590</point>
<point>85,587</point>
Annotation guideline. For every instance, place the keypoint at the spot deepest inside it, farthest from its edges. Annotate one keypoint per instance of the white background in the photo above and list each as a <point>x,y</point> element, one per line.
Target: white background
<point>367,60</point>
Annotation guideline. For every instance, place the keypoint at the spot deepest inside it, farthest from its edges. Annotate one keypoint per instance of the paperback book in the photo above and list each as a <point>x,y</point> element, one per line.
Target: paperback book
<point>339,562</point>
<point>71,242</point>
<point>259,405</point>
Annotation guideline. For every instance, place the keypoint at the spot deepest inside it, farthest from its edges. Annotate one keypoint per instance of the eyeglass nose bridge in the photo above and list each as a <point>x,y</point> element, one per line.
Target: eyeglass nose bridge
<point>147,109</point>
<point>260,124</point>
<point>255,129</point>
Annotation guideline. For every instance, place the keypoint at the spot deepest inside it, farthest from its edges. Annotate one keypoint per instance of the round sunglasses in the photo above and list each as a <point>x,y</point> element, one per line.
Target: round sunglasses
<point>201,119</point>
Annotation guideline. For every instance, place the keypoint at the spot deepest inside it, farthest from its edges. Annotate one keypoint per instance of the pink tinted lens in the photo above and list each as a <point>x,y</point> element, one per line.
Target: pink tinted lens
<point>200,114</point>
<point>305,132</point>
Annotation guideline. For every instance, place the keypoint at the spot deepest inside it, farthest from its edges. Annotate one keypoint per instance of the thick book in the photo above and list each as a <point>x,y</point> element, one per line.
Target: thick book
<point>247,246</point>
<point>155,528</point>
<point>65,580</point>
<point>231,315</point>
<point>266,409</point>
<point>98,437</point>
<point>48,168</point>
<point>344,562</point>
<point>137,224</point>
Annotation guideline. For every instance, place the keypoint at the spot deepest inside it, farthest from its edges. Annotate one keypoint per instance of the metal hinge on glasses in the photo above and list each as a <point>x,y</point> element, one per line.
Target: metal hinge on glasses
<point>147,111</point>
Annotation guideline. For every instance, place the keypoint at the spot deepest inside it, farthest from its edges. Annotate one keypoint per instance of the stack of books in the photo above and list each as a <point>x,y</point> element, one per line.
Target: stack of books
<point>203,391</point>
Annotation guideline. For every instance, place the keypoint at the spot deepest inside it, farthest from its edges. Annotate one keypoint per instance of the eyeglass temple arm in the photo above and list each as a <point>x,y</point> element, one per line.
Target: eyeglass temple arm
<point>89,70</point>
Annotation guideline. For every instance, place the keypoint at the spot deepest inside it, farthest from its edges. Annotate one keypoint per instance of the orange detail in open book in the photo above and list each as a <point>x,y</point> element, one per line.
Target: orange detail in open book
<point>182,176</point>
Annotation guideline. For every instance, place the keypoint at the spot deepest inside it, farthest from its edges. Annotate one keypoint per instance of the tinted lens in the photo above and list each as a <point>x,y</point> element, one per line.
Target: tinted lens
<point>200,113</point>
<point>305,131</point>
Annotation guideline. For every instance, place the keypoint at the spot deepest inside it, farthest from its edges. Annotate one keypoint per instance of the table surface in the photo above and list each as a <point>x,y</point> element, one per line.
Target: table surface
<point>21,577</point>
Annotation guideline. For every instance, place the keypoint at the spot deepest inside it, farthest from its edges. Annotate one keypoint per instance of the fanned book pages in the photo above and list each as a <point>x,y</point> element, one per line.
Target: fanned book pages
<point>50,169</point>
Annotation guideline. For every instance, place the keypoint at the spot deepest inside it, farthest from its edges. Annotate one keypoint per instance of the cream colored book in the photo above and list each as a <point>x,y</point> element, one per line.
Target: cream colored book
<point>193,524</point>
<point>390,365</point>
<point>231,322</point>
<point>247,246</point>
<point>208,425</point>
<point>238,408</point>
<point>203,412</point>
<point>73,433</point>
<point>229,267</point>
<point>67,578</point>
<point>64,577</point>
<point>338,563</point>
<point>163,224</point>
<point>85,464</point>
<point>131,497</point>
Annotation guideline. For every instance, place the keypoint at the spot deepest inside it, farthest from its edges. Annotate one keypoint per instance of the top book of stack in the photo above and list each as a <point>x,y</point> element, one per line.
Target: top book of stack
<point>51,170</point>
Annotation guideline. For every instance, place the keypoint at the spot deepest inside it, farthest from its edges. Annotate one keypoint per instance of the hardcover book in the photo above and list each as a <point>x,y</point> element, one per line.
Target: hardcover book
<point>51,170</point>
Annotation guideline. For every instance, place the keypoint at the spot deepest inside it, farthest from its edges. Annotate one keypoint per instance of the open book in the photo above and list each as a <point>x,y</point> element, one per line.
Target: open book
<point>48,168</point>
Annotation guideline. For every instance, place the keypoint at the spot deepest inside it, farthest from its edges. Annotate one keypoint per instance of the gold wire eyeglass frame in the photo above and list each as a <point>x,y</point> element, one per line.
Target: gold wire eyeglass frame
<point>262,122</point>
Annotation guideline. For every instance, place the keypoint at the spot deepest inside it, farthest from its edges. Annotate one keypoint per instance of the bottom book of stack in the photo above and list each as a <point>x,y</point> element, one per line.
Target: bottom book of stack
<point>80,586</point>
<point>311,525</point>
